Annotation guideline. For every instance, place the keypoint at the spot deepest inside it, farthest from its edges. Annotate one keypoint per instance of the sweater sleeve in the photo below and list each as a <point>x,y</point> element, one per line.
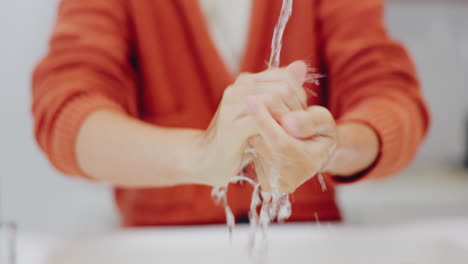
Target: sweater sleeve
<point>372,80</point>
<point>85,69</point>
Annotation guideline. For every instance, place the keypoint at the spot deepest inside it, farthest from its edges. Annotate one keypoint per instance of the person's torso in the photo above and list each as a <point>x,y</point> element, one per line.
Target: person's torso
<point>181,78</point>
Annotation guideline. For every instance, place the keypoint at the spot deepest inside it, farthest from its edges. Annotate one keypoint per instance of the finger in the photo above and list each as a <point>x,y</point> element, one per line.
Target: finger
<point>243,86</point>
<point>245,78</point>
<point>287,82</point>
<point>299,70</point>
<point>295,74</point>
<point>297,100</point>
<point>275,105</point>
<point>294,96</point>
<point>276,95</point>
<point>269,129</point>
<point>294,99</point>
<point>316,121</point>
<point>262,171</point>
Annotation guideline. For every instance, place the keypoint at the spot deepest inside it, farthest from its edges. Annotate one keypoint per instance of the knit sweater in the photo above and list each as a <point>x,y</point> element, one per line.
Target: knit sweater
<point>155,61</point>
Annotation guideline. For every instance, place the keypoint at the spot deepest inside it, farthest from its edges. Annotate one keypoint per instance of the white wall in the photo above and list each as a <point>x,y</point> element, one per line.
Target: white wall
<point>437,36</point>
<point>31,192</point>
<point>39,199</point>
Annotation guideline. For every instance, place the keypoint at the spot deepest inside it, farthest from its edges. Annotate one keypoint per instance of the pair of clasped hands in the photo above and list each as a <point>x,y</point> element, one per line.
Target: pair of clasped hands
<point>263,119</point>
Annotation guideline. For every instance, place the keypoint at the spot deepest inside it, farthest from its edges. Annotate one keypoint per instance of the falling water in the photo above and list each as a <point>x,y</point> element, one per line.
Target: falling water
<point>277,41</point>
<point>273,205</point>
<point>219,194</point>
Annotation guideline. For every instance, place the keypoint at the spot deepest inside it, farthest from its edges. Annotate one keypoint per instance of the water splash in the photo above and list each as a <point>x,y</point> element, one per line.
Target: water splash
<point>219,195</point>
<point>323,184</point>
<point>273,205</point>
<point>317,218</point>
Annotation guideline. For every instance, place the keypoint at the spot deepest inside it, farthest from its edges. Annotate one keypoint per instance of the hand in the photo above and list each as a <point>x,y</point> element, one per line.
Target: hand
<point>226,139</point>
<point>293,152</point>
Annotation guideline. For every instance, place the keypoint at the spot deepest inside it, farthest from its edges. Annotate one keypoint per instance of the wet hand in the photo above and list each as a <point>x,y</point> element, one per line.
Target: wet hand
<point>291,151</point>
<point>226,139</point>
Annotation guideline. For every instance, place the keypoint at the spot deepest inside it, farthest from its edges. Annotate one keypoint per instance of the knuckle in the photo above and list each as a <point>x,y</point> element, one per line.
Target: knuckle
<point>323,113</point>
<point>267,99</point>
<point>228,91</point>
<point>284,90</point>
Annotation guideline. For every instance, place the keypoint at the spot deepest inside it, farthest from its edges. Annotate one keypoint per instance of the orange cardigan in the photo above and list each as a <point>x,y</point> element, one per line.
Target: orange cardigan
<point>154,60</point>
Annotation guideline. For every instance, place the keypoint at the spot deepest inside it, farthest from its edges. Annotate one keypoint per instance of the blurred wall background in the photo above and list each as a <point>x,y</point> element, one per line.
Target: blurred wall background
<point>39,199</point>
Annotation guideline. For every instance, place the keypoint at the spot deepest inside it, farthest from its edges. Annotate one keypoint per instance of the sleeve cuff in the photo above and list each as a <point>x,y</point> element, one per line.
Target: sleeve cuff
<point>67,126</point>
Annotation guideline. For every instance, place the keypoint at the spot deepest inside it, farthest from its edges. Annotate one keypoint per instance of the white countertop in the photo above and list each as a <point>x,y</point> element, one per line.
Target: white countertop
<point>422,242</point>
<point>82,227</point>
<point>77,206</point>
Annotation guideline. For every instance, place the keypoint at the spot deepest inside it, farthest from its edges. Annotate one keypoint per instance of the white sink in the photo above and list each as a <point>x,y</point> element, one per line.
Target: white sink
<point>425,243</point>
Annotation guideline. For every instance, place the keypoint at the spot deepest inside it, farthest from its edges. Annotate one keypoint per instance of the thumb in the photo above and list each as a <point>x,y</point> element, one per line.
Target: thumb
<point>315,121</point>
<point>298,69</point>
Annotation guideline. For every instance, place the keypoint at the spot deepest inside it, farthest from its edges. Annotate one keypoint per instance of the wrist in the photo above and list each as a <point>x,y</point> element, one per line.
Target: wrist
<point>194,161</point>
<point>357,149</point>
